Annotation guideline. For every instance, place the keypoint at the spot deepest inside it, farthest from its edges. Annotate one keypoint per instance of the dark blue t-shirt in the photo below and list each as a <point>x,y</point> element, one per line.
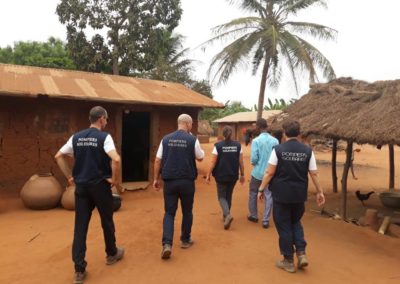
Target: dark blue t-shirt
<point>92,164</point>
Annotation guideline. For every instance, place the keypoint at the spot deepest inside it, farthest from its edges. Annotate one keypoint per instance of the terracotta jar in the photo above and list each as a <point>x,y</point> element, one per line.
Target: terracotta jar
<point>68,198</point>
<point>41,192</point>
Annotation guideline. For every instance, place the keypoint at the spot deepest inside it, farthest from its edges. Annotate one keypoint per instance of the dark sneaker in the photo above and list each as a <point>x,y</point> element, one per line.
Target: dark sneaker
<point>252,219</point>
<point>111,259</point>
<point>286,265</point>
<point>166,251</point>
<point>187,244</point>
<point>227,222</point>
<point>302,261</point>
<point>265,225</point>
<point>79,277</point>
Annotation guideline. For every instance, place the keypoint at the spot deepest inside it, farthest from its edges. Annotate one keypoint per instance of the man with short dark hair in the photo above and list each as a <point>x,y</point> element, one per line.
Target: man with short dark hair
<point>176,159</point>
<point>261,148</point>
<point>287,176</point>
<point>96,169</point>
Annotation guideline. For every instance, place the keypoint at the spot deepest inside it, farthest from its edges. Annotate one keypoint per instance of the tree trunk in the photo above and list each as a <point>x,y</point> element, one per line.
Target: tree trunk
<point>115,65</point>
<point>262,88</point>
<point>391,167</point>
<point>346,168</point>
<point>334,173</point>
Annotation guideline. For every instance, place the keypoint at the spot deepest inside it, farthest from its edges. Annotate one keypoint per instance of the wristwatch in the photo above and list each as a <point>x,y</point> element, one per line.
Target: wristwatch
<point>260,190</point>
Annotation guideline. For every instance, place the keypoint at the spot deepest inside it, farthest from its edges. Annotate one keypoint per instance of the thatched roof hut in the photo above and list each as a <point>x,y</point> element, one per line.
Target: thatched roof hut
<point>350,110</point>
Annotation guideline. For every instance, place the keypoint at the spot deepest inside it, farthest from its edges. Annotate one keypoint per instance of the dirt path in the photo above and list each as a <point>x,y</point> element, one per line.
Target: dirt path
<point>338,252</point>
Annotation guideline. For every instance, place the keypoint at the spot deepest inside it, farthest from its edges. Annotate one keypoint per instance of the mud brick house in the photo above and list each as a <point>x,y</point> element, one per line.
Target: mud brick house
<point>241,121</point>
<point>40,108</point>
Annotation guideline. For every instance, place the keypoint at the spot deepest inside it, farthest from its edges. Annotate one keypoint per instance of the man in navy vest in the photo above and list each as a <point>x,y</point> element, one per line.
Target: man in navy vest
<point>287,176</point>
<point>96,169</point>
<point>176,158</point>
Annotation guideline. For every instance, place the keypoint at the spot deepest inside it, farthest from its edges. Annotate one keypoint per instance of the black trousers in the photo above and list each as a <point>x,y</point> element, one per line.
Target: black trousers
<point>287,219</point>
<point>174,190</point>
<point>87,197</point>
<point>224,193</point>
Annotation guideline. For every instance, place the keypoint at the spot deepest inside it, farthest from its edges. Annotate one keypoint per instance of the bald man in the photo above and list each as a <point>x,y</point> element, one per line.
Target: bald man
<point>176,158</point>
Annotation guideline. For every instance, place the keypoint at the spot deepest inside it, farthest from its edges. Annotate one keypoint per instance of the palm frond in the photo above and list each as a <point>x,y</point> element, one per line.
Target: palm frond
<point>290,62</point>
<point>232,30</point>
<point>233,56</point>
<point>294,6</point>
<point>319,59</point>
<point>317,31</point>
<point>250,6</point>
<point>301,59</point>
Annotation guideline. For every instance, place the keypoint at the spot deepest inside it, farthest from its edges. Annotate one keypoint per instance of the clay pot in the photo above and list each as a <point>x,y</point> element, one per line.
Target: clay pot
<point>68,198</point>
<point>41,192</point>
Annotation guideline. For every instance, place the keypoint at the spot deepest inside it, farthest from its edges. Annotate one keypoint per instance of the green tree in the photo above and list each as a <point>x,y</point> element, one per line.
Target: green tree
<point>137,32</point>
<point>270,39</point>
<point>212,114</point>
<point>52,53</point>
<point>278,104</point>
<point>174,66</point>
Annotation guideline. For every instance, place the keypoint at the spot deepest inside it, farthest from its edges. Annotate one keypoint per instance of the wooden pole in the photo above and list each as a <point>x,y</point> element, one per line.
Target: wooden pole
<point>334,173</point>
<point>346,168</point>
<point>385,225</point>
<point>391,167</point>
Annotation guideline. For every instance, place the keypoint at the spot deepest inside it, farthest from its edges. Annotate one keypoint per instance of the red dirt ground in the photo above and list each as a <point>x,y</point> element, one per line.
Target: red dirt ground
<point>338,252</point>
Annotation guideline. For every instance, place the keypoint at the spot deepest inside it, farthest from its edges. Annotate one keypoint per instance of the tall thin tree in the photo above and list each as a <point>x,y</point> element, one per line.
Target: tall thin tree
<point>272,40</point>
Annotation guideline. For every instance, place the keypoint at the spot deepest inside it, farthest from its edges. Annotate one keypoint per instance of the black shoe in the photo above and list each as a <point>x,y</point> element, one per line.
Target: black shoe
<point>187,244</point>
<point>228,221</point>
<point>252,219</point>
<point>79,277</point>
<point>166,251</point>
<point>111,259</point>
<point>265,225</point>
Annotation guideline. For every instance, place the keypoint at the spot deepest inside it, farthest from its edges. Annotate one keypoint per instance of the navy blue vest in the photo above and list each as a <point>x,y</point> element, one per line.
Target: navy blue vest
<point>227,167</point>
<point>178,158</point>
<point>92,164</point>
<point>290,182</point>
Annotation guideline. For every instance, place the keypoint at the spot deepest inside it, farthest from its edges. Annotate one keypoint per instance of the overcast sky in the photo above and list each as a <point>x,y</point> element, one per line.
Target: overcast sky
<point>367,48</point>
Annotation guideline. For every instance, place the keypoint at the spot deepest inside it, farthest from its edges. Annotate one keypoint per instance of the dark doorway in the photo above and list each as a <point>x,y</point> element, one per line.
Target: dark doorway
<point>135,146</point>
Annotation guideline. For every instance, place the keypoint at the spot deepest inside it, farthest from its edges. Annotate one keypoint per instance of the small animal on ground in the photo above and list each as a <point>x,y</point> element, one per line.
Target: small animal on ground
<point>363,196</point>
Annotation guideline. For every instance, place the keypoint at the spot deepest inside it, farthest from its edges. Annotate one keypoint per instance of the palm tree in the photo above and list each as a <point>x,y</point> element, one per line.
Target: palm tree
<point>271,39</point>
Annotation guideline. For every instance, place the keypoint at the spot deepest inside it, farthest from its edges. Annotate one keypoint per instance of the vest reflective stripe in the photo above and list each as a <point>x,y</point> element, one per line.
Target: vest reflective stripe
<point>178,158</point>
<point>92,163</point>
<point>289,185</point>
<point>227,166</point>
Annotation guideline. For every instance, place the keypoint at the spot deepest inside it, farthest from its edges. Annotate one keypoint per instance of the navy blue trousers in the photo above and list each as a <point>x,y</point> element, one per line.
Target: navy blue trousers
<point>87,197</point>
<point>174,190</point>
<point>287,219</point>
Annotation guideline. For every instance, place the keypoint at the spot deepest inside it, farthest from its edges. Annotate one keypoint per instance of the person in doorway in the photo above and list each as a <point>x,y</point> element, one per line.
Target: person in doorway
<point>227,161</point>
<point>261,148</point>
<point>176,162</point>
<point>287,176</point>
<point>96,169</point>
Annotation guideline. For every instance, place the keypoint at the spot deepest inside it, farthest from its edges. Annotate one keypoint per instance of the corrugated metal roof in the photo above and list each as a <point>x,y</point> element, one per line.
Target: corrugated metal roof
<point>31,81</point>
<point>247,116</point>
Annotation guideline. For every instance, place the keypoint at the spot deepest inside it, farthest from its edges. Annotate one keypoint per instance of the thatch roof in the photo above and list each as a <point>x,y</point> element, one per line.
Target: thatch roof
<point>349,109</point>
<point>246,116</point>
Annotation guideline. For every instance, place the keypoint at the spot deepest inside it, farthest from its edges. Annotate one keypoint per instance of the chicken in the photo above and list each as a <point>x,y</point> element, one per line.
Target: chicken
<point>363,196</point>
